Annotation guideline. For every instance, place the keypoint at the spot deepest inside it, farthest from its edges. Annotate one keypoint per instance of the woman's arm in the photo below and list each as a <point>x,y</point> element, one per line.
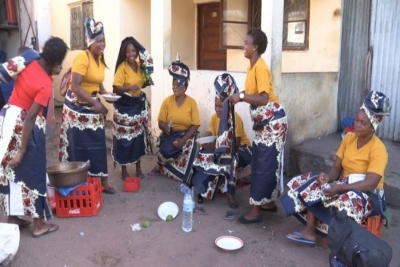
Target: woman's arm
<point>125,89</point>
<point>83,96</point>
<point>29,123</point>
<point>238,139</point>
<point>163,127</point>
<point>254,100</point>
<point>102,89</point>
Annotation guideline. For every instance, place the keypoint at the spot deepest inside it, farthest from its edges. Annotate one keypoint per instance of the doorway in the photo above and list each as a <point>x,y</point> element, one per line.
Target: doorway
<point>209,54</point>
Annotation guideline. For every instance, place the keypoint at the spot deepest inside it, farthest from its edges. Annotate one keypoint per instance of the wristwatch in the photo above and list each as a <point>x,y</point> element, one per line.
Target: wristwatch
<point>241,96</point>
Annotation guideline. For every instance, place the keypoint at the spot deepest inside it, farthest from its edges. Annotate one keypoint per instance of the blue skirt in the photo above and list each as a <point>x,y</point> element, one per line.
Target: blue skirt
<point>23,188</point>
<point>131,137</point>
<point>82,136</point>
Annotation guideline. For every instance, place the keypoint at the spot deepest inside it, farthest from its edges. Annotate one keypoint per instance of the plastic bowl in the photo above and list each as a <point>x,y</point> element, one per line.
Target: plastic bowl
<point>205,140</point>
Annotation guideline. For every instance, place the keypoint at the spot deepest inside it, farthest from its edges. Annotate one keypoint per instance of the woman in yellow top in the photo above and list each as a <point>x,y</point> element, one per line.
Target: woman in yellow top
<point>131,137</point>
<point>179,121</point>
<point>310,195</point>
<point>213,172</point>
<point>269,125</point>
<point>82,133</point>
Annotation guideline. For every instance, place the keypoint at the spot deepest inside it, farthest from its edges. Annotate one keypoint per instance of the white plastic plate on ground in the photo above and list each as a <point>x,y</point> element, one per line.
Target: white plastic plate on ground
<point>356,177</point>
<point>167,208</point>
<point>205,140</point>
<point>229,242</point>
<point>111,98</point>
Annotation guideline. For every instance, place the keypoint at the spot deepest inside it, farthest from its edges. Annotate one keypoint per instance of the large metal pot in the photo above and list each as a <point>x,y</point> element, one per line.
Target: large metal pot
<point>68,174</point>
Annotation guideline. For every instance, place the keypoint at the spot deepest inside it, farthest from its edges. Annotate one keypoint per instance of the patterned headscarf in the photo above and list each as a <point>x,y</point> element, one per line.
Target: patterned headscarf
<point>225,85</point>
<point>376,105</point>
<point>93,30</point>
<point>179,71</point>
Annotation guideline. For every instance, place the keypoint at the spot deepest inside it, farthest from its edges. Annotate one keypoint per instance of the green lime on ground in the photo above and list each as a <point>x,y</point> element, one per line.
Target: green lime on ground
<point>169,218</point>
<point>146,224</point>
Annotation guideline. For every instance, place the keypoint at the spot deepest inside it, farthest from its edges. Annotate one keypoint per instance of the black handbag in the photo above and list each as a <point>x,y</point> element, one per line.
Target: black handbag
<point>355,246</point>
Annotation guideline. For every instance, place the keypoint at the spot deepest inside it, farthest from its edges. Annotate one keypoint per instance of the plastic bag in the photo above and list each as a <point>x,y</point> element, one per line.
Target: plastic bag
<point>9,242</point>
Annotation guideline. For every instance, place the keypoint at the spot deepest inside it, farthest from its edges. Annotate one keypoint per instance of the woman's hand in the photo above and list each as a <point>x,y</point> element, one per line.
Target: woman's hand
<point>333,190</point>
<point>235,98</point>
<point>322,178</point>
<point>16,160</point>
<point>99,108</point>
<point>134,87</point>
<point>179,143</point>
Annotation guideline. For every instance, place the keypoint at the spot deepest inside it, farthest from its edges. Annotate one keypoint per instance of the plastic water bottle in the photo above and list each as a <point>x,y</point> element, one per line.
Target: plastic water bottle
<point>183,188</point>
<point>188,205</point>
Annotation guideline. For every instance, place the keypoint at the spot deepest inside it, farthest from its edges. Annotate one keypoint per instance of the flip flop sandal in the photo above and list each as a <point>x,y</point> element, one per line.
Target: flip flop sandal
<point>230,215</point>
<point>152,175</point>
<point>300,239</point>
<point>200,210</point>
<point>49,231</point>
<point>109,191</point>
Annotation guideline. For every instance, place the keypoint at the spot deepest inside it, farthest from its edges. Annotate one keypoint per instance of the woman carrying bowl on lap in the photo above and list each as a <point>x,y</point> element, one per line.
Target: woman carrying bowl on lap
<point>218,168</point>
<point>180,114</point>
<point>131,137</point>
<point>269,125</point>
<point>82,132</point>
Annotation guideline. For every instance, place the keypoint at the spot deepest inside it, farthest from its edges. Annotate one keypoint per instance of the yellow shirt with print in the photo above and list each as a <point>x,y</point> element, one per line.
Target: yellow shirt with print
<point>125,76</point>
<point>239,131</point>
<point>258,80</point>
<point>372,157</point>
<point>182,117</point>
<point>93,74</point>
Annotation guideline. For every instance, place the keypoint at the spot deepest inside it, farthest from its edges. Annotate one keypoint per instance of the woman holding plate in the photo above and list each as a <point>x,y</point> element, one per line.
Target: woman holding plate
<point>82,133</point>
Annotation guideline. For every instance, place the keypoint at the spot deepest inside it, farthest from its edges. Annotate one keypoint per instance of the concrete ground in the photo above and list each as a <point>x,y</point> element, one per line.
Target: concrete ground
<point>109,241</point>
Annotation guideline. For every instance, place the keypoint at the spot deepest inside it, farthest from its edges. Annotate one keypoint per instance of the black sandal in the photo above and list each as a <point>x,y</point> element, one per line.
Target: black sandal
<point>233,205</point>
<point>200,198</point>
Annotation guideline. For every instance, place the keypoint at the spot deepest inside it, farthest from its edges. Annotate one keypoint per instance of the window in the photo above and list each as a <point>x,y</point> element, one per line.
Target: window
<point>237,17</point>
<point>79,12</point>
<point>296,17</point>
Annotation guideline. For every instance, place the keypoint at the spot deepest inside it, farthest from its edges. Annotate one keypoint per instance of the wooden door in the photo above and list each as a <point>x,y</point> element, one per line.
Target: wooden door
<point>209,54</point>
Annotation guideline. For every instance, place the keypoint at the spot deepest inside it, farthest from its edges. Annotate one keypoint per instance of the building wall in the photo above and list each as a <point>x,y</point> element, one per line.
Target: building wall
<point>324,41</point>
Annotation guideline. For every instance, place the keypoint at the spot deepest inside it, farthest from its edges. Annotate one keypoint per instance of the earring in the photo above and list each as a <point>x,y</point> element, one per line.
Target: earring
<point>254,49</point>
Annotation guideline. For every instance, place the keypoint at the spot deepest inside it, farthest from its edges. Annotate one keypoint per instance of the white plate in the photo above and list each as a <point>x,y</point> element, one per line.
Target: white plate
<point>167,208</point>
<point>111,98</point>
<point>229,242</point>
<point>205,140</point>
<point>356,177</point>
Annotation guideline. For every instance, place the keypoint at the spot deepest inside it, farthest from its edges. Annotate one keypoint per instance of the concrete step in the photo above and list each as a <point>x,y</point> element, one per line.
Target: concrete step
<point>319,154</point>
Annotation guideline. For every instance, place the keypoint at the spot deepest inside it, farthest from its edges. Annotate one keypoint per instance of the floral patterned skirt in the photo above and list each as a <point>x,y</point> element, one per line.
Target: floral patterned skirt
<point>23,188</point>
<point>131,136</point>
<point>270,126</point>
<point>306,194</point>
<point>176,163</point>
<point>82,136</point>
<point>208,176</point>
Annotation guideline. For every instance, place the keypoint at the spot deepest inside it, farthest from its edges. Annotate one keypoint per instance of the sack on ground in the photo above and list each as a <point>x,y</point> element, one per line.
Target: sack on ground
<point>354,245</point>
<point>9,242</point>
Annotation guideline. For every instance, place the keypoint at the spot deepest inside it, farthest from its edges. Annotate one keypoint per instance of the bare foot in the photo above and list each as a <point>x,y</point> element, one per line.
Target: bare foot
<point>124,173</point>
<point>40,228</point>
<point>16,220</point>
<point>269,205</point>
<point>107,189</point>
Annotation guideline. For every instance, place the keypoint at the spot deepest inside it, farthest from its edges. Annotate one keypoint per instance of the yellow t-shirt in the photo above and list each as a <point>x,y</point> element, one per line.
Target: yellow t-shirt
<point>125,76</point>
<point>182,117</point>
<point>372,157</point>
<point>258,80</point>
<point>239,131</point>
<point>93,74</point>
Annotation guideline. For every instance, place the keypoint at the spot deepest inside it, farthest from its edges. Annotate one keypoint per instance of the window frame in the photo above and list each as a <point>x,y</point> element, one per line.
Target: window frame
<point>248,23</point>
<point>307,31</point>
<point>79,4</point>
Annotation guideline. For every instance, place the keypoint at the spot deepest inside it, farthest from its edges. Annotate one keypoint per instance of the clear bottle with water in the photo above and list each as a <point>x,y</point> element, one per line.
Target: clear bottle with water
<point>183,188</point>
<point>188,206</point>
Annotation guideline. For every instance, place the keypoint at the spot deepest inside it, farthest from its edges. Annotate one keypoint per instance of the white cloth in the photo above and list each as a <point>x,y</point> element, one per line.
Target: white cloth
<point>7,129</point>
<point>16,203</point>
<point>9,242</point>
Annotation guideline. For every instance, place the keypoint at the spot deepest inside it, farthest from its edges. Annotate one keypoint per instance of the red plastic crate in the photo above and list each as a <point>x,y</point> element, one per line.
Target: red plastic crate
<point>85,200</point>
<point>131,184</point>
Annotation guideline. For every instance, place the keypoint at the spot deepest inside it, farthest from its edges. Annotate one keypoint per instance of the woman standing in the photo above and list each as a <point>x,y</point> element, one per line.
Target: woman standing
<point>23,139</point>
<point>270,126</point>
<point>82,133</point>
<point>131,137</point>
